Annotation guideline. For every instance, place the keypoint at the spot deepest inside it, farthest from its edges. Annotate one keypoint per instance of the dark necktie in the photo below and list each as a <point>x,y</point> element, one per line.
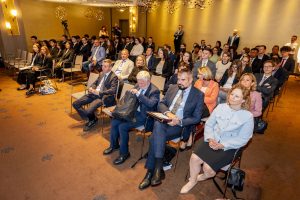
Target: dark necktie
<point>177,103</point>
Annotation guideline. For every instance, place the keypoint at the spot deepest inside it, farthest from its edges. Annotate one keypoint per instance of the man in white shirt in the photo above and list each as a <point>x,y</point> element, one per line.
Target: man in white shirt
<point>123,67</point>
<point>294,45</point>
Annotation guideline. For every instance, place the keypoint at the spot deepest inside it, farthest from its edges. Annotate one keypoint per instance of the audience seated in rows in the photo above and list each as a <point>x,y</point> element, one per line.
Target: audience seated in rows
<point>222,65</point>
<point>66,60</point>
<point>162,65</point>
<point>206,53</point>
<point>148,98</point>
<point>102,92</point>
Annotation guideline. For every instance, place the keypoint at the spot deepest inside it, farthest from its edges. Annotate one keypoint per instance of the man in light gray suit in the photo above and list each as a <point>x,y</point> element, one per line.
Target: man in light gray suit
<point>204,62</point>
<point>96,58</point>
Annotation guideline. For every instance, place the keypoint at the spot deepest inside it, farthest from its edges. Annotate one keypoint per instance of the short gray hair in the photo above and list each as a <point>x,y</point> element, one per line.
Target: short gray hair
<point>143,75</point>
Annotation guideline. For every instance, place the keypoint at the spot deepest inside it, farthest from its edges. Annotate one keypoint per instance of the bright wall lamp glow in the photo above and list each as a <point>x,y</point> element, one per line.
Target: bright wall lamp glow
<point>14,12</point>
<point>3,1</point>
<point>8,25</point>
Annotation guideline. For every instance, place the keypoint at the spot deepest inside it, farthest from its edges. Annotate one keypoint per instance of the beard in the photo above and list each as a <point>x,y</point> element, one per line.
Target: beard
<point>181,87</point>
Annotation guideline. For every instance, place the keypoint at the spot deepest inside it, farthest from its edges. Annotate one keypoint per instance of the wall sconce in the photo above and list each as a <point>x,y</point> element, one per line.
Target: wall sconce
<point>14,14</point>
<point>8,25</point>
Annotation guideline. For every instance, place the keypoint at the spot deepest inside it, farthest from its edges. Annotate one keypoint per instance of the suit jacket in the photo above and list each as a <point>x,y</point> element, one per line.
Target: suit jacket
<point>256,65</point>
<point>167,68</point>
<point>148,102</point>
<point>225,78</point>
<point>193,108</point>
<point>126,69</point>
<point>281,75</point>
<point>53,52</point>
<point>85,51</point>
<point>100,56</point>
<point>267,88</point>
<point>151,62</point>
<point>59,54</point>
<point>247,69</point>
<point>68,56</point>
<point>47,63</point>
<point>128,46</point>
<point>152,45</point>
<point>76,48</point>
<point>289,65</point>
<point>37,61</point>
<point>110,88</point>
<point>210,95</point>
<point>198,64</point>
<point>235,42</point>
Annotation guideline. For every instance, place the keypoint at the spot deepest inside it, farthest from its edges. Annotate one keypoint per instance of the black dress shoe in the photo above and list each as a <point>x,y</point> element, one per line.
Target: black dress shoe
<point>121,159</point>
<point>146,181</point>
<point>158,175</point>
<point>109,150</point>
<point>90,124</point>
<point>30,92</point>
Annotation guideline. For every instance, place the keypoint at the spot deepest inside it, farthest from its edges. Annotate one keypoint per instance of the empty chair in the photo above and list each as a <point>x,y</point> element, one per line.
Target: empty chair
<point>158,81</point>
<point>75,68</point>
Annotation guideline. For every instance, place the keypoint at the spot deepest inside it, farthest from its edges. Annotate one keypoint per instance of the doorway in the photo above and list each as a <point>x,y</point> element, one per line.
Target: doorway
<point>124,25</point>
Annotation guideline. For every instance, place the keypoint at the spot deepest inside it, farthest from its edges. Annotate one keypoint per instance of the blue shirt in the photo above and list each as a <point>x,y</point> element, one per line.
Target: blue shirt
<point>231,128</point>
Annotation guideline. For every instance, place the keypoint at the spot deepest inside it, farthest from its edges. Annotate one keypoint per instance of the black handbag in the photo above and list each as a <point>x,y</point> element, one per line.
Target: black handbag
<point>126,108</point>
<point>235,181</point>
<point>236,178</point>
<point>260,125</point>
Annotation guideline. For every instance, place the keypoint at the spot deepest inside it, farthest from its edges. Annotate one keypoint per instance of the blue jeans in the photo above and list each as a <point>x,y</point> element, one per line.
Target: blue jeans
<point>89,113</point>
<point>87,66</point>
<point>119,133</point>
<point>157,142</point>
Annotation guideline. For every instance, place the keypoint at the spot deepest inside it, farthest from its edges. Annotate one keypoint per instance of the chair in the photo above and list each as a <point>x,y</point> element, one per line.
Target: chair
<point>14,59</point>
<point>21,59</point>
<point>75,68</point>
<point>235,161</point>
<point>92,78</point>
<point>158,81</point>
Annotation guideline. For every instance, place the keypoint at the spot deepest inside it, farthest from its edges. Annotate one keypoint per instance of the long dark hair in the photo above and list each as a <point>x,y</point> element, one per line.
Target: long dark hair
<point>238,64</point>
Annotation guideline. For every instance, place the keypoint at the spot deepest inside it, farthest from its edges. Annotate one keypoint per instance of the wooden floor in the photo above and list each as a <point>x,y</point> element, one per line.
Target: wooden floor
<point>45,156</point>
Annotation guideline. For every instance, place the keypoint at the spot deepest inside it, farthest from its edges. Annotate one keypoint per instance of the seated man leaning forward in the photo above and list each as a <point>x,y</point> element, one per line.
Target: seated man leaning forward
<point>183,104</point>
<point>102,92</point>
<point>148,97</point>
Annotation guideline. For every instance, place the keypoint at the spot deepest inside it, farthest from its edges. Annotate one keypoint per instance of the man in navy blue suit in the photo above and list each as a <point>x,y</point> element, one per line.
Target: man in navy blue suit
<point>183,104</point>
<point>148,98</point>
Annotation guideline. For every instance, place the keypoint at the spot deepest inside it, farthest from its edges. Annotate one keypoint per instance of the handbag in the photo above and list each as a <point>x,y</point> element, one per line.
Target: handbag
<point>126,108</point>
<point>260,125</point>
<point>235,180</point>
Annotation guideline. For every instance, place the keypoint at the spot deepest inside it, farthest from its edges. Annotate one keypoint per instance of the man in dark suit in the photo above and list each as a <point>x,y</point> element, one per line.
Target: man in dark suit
<point>206,53</point>
<point>254,62</point>
<point>128,45</point>
<point>53,49</point>
<point>178,38</point>
<point>85,49</point>
<point>102,92</point>
<point>261,58</point>
<point>287,62</point>
<point>234,40</point>
<point>280,74</point>
<point>266,83</point>
<point>170,53</point>
<point>148,97</point>
<point>183,104</point>
<point>150,59</point>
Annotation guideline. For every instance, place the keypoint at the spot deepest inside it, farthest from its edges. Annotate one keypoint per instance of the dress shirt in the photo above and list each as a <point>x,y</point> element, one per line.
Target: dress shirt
<point>141,91</point>
<point>120,67</point>
<point>94,56</point>
<point>101,84</point>
<point>204,63</point>
<point>265,77</point>
<point>186,93</point>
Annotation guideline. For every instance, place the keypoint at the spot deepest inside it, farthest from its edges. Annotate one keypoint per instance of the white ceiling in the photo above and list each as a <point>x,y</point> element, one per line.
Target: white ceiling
<point>99,3</point>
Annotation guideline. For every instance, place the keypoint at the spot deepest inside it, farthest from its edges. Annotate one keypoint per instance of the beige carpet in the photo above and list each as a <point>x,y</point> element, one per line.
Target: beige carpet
<point>45,156</point>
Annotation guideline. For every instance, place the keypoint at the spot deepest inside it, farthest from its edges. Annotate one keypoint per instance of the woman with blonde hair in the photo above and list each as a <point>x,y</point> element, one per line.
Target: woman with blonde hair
<point>248,80</point>
<point>140,65</point>
<point>229,127</point>
<point>208,86</point>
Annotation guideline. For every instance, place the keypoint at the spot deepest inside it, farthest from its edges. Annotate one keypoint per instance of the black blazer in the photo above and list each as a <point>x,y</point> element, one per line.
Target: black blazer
<point>151,63</point>
<point>225,78</point>
<point>85,51</point>
<point>235,42</point>
<point>247,69</point>
<point>267,88</point>
<point>128,46</point>
<point>110,89</point>
<point>53,52</point>
<point>67,57</point>
<point>281,75</point>
<point>289,65</point>
<point>37,61</point>
<point>46,65</point>
<point>167,68</point>
<point>257,65</point>
<point>76,48</point>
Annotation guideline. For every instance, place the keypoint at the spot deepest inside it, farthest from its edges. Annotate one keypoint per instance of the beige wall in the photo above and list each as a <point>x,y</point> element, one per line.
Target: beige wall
<point>259,21</point>
<point>39,19</point>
